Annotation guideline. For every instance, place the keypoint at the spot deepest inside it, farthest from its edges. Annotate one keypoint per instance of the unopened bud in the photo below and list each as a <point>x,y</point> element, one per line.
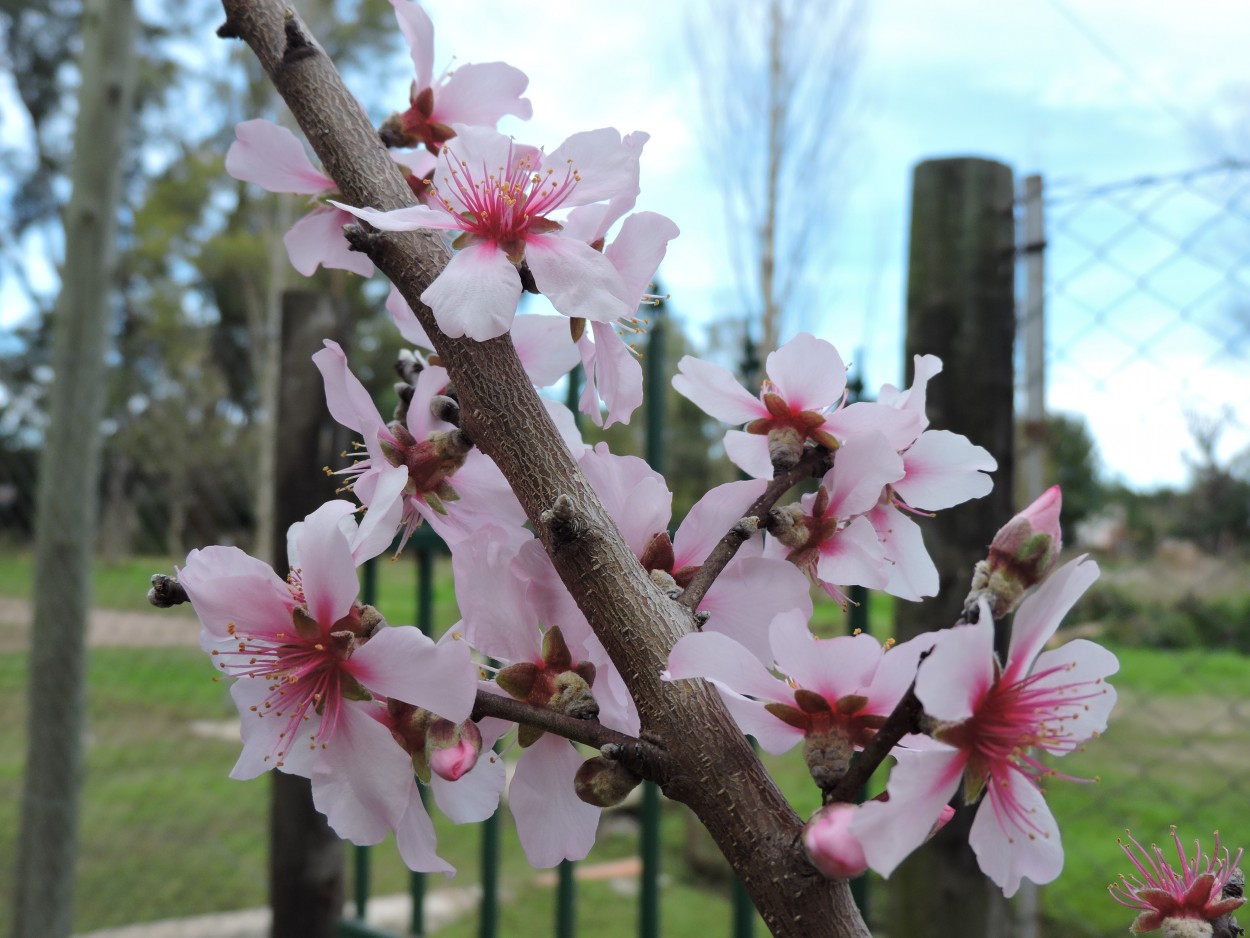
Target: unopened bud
<point>828,756</point>
<point>1022,553</point>
<point>452,748</point>
<point>446,409</point>
<point>604,782</point>
<point>572,696</point>
<point>831,846</point>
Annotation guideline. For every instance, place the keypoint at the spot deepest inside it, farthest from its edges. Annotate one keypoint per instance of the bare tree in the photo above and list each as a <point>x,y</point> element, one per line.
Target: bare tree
<point>776,91</point>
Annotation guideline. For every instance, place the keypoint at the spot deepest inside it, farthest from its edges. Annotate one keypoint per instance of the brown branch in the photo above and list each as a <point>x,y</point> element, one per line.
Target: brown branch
<point>714,769</point>
<point>644,759</point>
<point>814,462</point>
<point>903,720</point>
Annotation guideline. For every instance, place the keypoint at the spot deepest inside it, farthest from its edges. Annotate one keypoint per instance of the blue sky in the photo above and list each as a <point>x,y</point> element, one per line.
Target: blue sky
<point>1129,88</point>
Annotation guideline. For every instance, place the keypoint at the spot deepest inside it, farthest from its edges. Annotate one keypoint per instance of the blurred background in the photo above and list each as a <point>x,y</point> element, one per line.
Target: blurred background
<point>784,137</point>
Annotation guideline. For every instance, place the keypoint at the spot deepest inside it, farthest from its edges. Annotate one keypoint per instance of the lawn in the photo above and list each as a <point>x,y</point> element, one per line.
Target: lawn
<point>166,833</point>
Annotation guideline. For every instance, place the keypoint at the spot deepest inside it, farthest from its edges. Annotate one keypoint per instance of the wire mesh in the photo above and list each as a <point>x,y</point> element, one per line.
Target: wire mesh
<point>1147,306</point>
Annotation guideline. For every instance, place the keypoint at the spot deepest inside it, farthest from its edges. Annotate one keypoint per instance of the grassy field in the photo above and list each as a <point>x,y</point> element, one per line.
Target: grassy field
<point>166,833</point>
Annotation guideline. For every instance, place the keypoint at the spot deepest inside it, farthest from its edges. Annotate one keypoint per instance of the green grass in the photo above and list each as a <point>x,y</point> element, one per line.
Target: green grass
<point>165,833</point>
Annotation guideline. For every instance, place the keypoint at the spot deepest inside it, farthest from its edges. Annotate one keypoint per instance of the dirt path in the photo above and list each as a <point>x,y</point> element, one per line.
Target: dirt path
<point>108,627</point>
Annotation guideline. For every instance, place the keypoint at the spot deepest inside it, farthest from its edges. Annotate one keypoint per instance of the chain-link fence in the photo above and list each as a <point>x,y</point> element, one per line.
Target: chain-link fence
<point>1147,393</point>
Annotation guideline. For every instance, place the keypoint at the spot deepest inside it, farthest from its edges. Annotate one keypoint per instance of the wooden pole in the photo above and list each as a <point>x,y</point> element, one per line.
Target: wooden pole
<point>960,306</point>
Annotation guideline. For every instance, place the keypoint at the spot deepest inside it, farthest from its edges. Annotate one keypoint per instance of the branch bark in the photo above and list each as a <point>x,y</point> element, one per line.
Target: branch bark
<point>714,770</point>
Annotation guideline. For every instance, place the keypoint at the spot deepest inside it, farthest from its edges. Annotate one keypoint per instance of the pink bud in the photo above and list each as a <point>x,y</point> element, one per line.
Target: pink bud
<point>943,819</point>
<point>831,846</point>
<point>1023,552</point>
<point>452,748</point>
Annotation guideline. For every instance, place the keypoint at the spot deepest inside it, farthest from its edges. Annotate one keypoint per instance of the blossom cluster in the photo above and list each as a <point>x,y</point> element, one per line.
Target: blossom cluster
<point>368,711</point>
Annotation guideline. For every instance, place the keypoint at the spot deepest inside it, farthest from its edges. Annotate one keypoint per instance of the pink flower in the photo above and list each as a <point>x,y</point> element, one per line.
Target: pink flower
<point>470,94</point>
<point>844,686</point>
<point>315,669</point>
<point>801,400</point>
<point>990,719</point>
<point>450,484</point>
<point>272,157</point>
<point>826,534</point>
<point>1195,893</point>
<point>1021,554</point>
<point>501,197</point>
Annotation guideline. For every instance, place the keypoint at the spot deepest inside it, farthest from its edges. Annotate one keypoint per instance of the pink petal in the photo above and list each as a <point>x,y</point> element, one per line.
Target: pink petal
<point>362,780</point>
<point>482,94</point>
<point>853,557</point>
<point>545,346</point>
<point>925,368</point>
<point>590,223</point>
<point>749,594</point>
<point>227,586</point>
<point>552,822</point>
<point>633,493</point>
<point>421,422</point>
<point>900,427</point>
<point>264,746</point>
<point>944,469</point>
<point>386,508</point>
<point>861,469</point>
<point>475,795</point>
<point>637,250</point>
<point>721,659</point>
<point>577,279</point>
<point>749,452</point>
<point>327,570</point>
<point>270,156</point>
<point>607,165</point>
<point>913,574</point>
<point>401,313</point>
<point>613,375</point>
<point>476,294</point>
<point>1007,852</point>
<point>710,519</point>
<point>808,372</point>
<point>403,663</point>
<point>1080,666</point>
<point>920,786</point>
<point>1041,612</point>
<point>409,218</point>
<point>772,734</point>
<point>832,667</point>
<point>716,392</point>
<point>896,672</point>
<point>418,33</point>
<point>414,835</point>
<point>317,240</point>
<point>347,399</point>
<point>958,674</point>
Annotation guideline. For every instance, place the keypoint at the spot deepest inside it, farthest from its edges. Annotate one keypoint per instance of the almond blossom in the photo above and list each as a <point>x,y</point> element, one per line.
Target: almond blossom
<point>316,669</point>
<point>989,719</point>
<point>452,485</point>
<point>501,196</point>
<point>479,94</point>
<point>800,400</point>
<point>270,156</point>
<point>1195,894</point>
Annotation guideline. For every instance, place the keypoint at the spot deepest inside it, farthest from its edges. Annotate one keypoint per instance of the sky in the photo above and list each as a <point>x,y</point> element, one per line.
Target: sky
<point>1085,93</point>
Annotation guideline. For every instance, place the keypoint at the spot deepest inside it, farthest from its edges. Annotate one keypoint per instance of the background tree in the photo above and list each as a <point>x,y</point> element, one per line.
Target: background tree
<point>776,83</point>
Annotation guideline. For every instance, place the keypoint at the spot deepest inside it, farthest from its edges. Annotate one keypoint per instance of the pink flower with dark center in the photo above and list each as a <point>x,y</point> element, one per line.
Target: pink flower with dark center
<point>501,195</point>
<point>1197,892</point>
<point>990,720</point>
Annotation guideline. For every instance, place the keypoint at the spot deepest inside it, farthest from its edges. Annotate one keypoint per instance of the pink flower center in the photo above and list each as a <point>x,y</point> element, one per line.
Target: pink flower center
<point>505,206</point>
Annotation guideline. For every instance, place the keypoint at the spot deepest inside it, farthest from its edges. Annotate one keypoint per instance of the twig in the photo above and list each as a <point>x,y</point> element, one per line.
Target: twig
<point>905,719</point>
<point>815,461</point>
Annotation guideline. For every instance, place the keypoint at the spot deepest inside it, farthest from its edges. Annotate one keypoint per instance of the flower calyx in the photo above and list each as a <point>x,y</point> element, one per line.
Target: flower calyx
<point>1021,555</point>
<point>831,732</point>
<point>555,682</point>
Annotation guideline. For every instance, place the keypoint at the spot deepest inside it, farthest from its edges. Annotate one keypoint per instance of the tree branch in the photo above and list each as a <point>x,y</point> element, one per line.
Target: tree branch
<point>815,461</point>
<point>904,719</point>
<point>714,769</point>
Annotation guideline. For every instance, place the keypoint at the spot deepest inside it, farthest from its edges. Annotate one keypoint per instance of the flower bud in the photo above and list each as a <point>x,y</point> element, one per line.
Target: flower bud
<point>604,782</point>
<point>1023,552</point>
<point>831,846</point>
<point>452,748</point>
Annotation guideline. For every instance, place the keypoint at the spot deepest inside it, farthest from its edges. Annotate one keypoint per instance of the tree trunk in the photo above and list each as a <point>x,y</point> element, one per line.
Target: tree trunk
<point>68,480</point>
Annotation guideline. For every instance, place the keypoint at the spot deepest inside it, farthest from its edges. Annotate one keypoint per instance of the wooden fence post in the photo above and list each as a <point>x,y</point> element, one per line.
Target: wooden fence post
<point>306,858</point>
<point>960,307</point>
